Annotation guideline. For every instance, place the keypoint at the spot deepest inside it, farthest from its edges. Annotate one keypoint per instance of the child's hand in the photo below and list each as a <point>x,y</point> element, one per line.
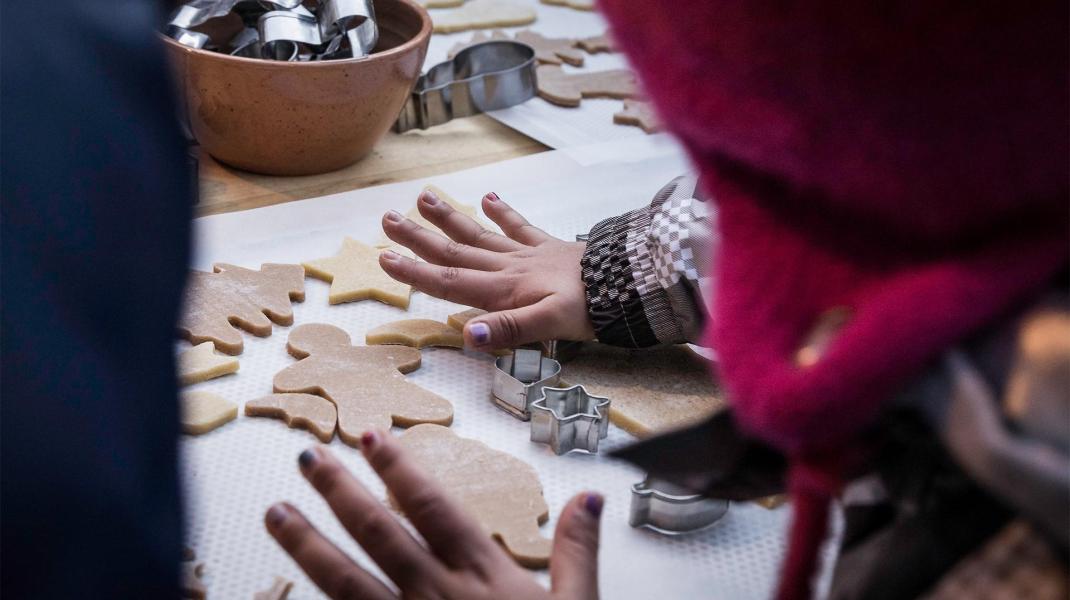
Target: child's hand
<point>529,281</point>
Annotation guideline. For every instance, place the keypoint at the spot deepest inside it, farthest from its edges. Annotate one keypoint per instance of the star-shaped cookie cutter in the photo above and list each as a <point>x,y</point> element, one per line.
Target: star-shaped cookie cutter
<point>569,419</point>
<point>520,378</point>
<point>672,510</point>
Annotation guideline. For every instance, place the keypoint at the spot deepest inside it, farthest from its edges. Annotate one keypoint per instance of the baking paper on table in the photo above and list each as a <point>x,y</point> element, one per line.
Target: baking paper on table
<point>556,126</point>
<point>233,474</point>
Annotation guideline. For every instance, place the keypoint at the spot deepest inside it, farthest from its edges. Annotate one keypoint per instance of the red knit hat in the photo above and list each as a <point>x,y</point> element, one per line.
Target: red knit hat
<point>908,163</point>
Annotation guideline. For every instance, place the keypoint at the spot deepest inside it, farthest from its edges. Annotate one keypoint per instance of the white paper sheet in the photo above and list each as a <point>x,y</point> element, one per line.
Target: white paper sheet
<point>555,126</point>
<point>232,475</point>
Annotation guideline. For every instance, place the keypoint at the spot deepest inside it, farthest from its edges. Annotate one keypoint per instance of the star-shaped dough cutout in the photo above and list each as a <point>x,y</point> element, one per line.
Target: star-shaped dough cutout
<point>201,363</point>
<point>354,274</point>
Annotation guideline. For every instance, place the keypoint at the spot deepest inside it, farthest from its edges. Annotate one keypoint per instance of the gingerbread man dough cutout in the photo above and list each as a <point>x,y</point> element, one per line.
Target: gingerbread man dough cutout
<point>499,490</point>
<point>252,300</point>
<point>366,383</point>
<point>567,89</point>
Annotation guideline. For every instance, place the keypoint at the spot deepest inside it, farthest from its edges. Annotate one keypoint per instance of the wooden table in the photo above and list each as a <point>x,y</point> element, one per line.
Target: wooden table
<point>459,144</point>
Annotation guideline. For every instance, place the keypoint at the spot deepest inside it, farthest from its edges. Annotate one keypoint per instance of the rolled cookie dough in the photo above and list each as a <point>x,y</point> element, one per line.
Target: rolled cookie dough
<point>638,113</point>
<point>415,216</point>
<point>596,44</point>
<point>499,490</point>
<point>279,590</point>
<point>305,411</point>
<point>354,274</point>
<point>364,382</point>
<point>252,299</point>
<point>576,4</point>
<point>441,3</point>
<point>190,585</point>
<point>651,389</point>
<point>201,363</point>
<point>567,89</point>
<point>483,14</point>
<point>204,411</point>
<point>417,333</point>
<point>458,320</point>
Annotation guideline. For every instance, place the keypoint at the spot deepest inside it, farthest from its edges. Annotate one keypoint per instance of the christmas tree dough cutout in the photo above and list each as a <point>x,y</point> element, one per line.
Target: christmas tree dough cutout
<point>365,383</point>
<point>315,414</point>
<point>498,490</point>
<point>483,14</point>
<point>354,274</point>
<point>202,412</point>
<point>252,300</point>
<point>567,89</point>
<point>639,114</point>
<point>416,333</point>
<point>201,363</point>
<point>548,51</point>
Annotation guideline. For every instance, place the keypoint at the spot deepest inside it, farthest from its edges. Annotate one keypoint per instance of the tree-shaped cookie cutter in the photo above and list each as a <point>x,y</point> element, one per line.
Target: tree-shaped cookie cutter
<point>672,510</point>
<point>520,378</point>
<point>569,419</point>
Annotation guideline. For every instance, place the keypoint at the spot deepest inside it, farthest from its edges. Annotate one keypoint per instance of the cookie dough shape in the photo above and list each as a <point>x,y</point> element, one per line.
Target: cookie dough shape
<point>415,216</point>
<point>190,585</point>
<point>364,382</point>
<point>652,390</point>
<point>441,3</point>
<point>567,89</point>
<point>596,44</point>
<point>416,333</point>
<point>201,363</point>
<point>499,490</point>
<point>576,4</point>
<point>279,590</point>
<point>640,114</point>
<point>252,300</point>
<point>458,320</point>
<point>483,14</point>
<point>300,411</point>
<point>354,274</point>
<point>548,51</point>
<point>204,411</point>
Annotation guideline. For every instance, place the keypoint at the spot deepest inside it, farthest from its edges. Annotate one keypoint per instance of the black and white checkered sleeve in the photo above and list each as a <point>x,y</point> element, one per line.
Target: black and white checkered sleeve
<point>648,272</point>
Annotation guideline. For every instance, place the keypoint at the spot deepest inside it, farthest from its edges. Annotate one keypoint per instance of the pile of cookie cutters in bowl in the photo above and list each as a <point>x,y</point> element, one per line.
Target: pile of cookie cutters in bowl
<point>286,30</point>
<point>571,419</point>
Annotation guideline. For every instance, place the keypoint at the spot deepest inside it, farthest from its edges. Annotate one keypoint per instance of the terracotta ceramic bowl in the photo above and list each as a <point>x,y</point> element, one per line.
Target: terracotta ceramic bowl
<point>300,118</point>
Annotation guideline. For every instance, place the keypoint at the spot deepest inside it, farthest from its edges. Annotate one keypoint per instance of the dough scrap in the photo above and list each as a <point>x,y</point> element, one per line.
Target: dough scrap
<point>651,389</point>
<point>201,363</point>
<point>415,216</point>
<point>483,14</point>
<point>567,89</point>
<point>596,44</point>
<point>499,490</point>
<point>204,411</point>
<point>190,585</point>
<point>279,590</point>
<point>548,51</point>
<point>640,114</point>
<point>416,333</point>
<point>458,320</point>
<point>364,382</point>
<point>251,299</point>
<point>576,4</point>
<point>304,411</point>
<point>354,274</point>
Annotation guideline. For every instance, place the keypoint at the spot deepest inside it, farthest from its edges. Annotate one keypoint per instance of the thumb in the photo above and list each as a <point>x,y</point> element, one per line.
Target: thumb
<point>511,328</point>
<point>574,560</point>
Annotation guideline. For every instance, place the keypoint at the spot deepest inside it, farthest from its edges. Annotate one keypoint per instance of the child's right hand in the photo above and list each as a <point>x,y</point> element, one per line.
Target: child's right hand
<point>529,281</point>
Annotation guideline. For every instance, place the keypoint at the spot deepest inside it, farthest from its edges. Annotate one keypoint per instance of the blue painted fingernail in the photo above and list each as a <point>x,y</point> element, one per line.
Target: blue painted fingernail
<point>429,198</point>
<point>307,458</point>
<point>276,515</point>
<point>593,504</point>
<point>394,216</point>
<point>480,333</point>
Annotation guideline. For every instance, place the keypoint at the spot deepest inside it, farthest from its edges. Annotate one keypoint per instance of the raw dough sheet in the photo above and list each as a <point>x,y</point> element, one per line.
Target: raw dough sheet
<point>233,474</point>
<point>555,126</point>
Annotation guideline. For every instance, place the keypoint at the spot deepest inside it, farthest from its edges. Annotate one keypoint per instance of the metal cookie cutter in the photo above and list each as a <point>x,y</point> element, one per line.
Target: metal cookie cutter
<point>672,510</point>
<point>481,78</point>
<point>519,380</point>
<point>569,419</point>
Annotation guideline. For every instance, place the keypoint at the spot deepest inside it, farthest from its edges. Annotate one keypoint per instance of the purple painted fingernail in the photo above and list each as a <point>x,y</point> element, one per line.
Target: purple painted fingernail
<point>480,333</point>
<point>389,255</point>
<point>429,198</point>
<point>307,458</point>
<point>493,197</point>
<point>593,504</point>
<point>276,515</point>
<point>394,216</point>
